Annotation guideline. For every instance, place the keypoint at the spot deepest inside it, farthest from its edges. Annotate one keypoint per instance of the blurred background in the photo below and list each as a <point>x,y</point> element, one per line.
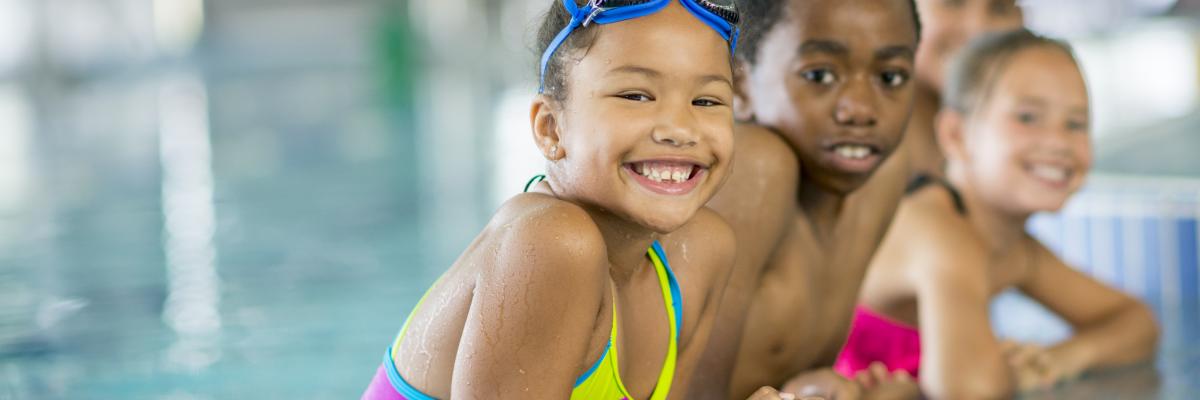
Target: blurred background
<point>222,199</point>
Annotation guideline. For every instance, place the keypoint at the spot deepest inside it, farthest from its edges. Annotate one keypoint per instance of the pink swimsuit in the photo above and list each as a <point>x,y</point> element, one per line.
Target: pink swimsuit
<point>874,337</point>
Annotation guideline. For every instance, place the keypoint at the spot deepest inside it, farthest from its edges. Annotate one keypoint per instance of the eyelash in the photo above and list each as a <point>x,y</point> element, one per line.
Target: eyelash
<point>642,97</point>
<point>902,76</point>
<point>810,75</point>
<point>638,97</point>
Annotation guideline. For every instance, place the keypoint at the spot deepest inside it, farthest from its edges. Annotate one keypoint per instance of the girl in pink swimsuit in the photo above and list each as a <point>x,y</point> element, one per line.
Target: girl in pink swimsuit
<point>1014,129</point>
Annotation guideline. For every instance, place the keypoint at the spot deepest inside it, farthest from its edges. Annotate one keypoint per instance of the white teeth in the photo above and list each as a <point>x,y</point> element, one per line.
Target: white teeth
<point>1050,173</point>
<point>852,151</point>
<point>659,173</point>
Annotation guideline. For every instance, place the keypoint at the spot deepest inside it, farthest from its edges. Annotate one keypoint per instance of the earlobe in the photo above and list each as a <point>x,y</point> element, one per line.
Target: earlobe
<point>949,130</point>
<point>544,120</point>
<point>743,110</point>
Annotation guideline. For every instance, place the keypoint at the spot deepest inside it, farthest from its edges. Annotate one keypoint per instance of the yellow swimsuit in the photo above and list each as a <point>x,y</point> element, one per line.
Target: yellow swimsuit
<point>601,382</point>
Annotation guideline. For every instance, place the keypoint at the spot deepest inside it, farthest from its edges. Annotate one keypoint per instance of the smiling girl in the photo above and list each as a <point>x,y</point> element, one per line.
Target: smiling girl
<point>559,297</point>
<point>1015,130</point>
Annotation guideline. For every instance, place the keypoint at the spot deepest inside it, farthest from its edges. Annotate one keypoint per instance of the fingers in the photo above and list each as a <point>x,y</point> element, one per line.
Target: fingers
<point>1025,354</point>
<point>864,379</point>
<point>769,393</point>
<point>902,376</point>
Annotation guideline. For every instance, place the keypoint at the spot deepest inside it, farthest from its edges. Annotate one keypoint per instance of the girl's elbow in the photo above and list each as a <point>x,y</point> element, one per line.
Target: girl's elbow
<point>981,386</point>
<point>1151,332</point>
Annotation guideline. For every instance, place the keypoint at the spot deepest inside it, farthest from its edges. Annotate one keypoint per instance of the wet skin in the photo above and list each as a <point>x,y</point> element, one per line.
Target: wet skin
<point>528,307</point>
<point>814,186</point>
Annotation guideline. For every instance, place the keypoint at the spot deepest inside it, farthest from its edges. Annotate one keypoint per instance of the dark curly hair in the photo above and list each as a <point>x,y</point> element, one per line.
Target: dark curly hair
<point>760,17</point>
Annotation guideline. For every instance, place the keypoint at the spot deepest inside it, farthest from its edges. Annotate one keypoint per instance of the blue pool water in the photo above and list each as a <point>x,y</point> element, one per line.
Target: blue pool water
<point>310,276</point>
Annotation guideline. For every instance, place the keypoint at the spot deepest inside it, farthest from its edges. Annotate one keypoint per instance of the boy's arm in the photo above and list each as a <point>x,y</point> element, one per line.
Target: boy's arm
<point>756,201</point>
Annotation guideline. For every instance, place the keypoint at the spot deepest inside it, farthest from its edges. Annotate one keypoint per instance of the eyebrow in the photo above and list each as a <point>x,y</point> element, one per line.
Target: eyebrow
<point>637,70</point>
<point>836,48</point>
<point>654,74</point>
<point>1040,102</point>
<point>898,51</point>
<point>1031,100</point>
<point>822,46</point>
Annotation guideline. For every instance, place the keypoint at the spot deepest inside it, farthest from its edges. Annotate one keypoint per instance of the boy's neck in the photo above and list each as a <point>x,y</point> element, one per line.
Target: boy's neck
<point>821,207</point>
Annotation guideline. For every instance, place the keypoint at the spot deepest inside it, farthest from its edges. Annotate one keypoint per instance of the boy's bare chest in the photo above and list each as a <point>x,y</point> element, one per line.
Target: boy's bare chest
<point>802,309</point>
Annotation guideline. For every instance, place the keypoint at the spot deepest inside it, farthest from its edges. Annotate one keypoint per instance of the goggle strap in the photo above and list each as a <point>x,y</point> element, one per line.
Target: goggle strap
<point>582,16</point>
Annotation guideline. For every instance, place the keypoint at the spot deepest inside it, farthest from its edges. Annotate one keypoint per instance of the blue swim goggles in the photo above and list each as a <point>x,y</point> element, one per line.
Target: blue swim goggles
<point>721,15</point>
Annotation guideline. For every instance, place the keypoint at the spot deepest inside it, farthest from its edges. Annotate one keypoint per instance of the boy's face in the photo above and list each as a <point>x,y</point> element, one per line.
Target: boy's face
<point>833,78</point>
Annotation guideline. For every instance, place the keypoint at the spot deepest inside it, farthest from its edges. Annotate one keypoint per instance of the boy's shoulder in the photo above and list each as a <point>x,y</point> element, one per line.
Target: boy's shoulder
<point>762,151</point>
<point>708,237</point>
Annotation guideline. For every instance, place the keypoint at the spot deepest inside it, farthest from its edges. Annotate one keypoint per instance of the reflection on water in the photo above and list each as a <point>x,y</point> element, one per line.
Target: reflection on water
<point>191,307</point>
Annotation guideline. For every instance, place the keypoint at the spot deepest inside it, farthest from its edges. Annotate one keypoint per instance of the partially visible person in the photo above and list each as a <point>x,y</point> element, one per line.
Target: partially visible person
<point>947,26</point>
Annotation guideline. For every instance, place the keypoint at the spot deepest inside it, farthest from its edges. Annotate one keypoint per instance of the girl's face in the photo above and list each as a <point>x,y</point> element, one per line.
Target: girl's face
<point>947,25</point>
<point>646,132</point>
<point>832,77</point>
<point>1028,146</point>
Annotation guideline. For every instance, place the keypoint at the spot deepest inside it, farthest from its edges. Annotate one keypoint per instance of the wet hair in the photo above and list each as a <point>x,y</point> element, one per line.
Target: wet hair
<point>557,18</point>
<point>761,16</point>
<point>554,20</point>
<point>975,69</point>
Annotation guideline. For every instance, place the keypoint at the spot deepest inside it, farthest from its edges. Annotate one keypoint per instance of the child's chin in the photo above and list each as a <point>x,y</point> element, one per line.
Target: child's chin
<point>1046,205</point>
<point>666,223</point>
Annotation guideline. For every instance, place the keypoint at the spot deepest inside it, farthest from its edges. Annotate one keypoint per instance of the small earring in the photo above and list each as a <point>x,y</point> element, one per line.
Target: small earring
<point>554,151</point>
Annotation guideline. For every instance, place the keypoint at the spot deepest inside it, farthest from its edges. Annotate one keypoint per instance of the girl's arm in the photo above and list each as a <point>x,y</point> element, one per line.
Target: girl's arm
<point>534,311</point>
<point>960,356</point>
<point>1111,328</point>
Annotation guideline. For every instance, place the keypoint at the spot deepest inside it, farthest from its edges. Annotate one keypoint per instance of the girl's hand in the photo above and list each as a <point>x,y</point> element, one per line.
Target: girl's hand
<point>824,384</point>
<point>1034,367</point>
<point>879,383</point>
<point>769,393</point>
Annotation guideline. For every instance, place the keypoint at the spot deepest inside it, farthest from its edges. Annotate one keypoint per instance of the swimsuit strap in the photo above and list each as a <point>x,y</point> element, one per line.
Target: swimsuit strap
<point>673,302</point>
<point>923,180</point>
<point>533,181</point>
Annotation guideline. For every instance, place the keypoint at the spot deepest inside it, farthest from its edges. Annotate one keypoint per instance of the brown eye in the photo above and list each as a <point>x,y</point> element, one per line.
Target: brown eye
<point>1027,118</point>
<point>638,97</point>
<point>820,76</point>
<point>1077,126</point>
<point>706,103</point>
<point>894,78</point>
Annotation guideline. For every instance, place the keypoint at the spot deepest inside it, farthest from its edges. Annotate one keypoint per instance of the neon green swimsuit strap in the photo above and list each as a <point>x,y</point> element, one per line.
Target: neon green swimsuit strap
<point>404,328</point>
<point>604,383</point>
<point>670,289</point>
